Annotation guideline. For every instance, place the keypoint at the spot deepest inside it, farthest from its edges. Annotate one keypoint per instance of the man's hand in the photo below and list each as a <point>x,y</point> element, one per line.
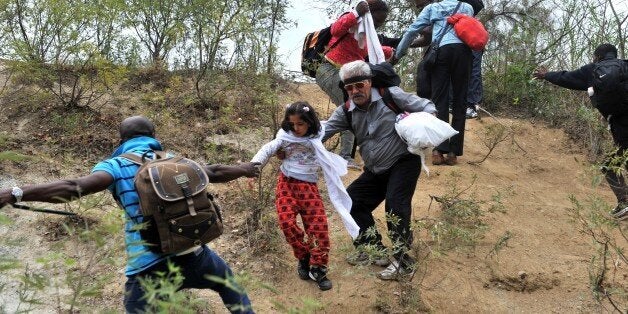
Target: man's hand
<point>539,72</point>
<point>393,60</point>
<point>281,154</point>
<point>251,169</point>
<point>362,8</point>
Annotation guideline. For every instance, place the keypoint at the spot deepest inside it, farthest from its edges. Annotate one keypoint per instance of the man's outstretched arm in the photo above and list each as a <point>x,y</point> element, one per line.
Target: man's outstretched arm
<point>225,173</point>
<point>579,79</point>
<point>60,191</point>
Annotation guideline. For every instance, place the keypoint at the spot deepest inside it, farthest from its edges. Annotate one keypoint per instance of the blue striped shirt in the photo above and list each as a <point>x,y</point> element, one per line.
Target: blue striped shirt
<point>139,257</point>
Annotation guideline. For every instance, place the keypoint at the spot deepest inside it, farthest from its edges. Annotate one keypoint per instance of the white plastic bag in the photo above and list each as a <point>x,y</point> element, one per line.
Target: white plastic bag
<point>421,130</point>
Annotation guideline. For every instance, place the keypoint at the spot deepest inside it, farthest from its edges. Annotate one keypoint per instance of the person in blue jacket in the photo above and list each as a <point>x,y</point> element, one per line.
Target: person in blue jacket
<point>453,64</point>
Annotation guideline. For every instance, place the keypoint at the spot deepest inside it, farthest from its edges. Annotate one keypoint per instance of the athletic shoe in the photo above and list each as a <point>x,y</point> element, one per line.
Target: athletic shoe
<point>363,259</point>
<point>319,274</point>
<point>352,164</point>
<point>304,268</point>
<point>471,113</point>
<point>620,212</point>
<point>395,272</point>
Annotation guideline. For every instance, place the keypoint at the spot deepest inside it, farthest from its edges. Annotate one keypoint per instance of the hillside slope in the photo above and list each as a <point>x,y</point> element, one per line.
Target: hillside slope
<point>543,267</point>
<point>532,257</point>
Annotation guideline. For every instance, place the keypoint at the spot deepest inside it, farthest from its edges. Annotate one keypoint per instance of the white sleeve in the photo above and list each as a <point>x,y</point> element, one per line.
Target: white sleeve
<point>267,151</point>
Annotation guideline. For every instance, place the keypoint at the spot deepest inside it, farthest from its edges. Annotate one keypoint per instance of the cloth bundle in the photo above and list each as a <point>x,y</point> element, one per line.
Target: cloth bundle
<point>421,130</point>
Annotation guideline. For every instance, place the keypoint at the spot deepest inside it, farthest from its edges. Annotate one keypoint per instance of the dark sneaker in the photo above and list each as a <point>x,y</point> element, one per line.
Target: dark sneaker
<point>620,212</point>
<point>304,268</point>
<point>363,259</point>
<point>319,274</point>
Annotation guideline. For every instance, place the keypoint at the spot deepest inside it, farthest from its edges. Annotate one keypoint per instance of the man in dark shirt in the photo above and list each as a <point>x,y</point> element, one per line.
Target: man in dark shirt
<point>582,79</point>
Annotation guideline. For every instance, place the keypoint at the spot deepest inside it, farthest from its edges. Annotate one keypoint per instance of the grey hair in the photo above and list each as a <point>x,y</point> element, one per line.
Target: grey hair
<point>353,69</point>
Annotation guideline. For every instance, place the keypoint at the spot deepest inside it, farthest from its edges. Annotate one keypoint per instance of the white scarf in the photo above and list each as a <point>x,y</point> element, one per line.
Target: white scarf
<point>333,167</point>
<point>366,32</point>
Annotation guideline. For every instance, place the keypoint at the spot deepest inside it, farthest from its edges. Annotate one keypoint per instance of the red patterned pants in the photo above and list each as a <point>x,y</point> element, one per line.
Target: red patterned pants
<point>295,197</point>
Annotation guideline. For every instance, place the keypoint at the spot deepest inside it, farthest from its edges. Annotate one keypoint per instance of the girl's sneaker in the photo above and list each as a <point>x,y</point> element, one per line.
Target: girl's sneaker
<point>304,268</point>
<point>319,274</point>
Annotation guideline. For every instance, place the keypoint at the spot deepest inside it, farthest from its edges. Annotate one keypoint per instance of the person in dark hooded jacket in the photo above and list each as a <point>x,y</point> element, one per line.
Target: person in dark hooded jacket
<point>582,79</point>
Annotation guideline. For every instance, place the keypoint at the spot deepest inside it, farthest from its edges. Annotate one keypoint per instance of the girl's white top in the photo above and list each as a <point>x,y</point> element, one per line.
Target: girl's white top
<point>304,156</point>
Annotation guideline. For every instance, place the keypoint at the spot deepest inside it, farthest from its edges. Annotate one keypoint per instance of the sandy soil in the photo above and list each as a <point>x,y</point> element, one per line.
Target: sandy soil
<point>544,268</point>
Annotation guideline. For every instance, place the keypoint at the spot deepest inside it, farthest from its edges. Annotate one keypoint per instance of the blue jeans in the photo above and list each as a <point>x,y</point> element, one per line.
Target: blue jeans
<point>194,268</point>
<point>476,90</point>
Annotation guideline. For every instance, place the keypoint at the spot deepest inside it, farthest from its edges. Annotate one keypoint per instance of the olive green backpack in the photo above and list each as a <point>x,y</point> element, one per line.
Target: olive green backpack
<point>178,211</point>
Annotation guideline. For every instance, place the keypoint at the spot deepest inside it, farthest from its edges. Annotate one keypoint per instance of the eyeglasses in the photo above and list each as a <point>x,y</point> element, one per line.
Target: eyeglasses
<point>356,85</point>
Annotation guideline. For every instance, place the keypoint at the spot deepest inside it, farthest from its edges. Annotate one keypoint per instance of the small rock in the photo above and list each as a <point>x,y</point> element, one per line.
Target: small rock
<point>522,274</point>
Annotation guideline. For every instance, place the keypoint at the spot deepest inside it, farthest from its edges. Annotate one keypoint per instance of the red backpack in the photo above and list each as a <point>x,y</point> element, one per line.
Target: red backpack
<point>470,30</point>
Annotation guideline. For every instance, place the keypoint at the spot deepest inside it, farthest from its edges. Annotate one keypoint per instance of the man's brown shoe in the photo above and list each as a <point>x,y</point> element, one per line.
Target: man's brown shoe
<point>451,160</point>
<point>437,158</point>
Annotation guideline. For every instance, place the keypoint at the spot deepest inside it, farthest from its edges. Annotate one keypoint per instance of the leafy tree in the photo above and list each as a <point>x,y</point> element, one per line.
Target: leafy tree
<point>159,25</point>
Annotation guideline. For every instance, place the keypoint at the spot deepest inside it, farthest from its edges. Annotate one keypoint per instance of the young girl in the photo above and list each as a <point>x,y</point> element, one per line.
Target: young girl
<point>297,193</point>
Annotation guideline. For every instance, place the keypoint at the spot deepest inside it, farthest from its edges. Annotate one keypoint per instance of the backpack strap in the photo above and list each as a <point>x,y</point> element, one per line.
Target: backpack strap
<point>140,160</point>
<point>349,117</point>
<point>388,100</point>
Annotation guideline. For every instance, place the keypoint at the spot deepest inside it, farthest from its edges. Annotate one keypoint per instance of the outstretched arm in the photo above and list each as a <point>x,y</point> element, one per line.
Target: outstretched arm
<point>579,79</point>
<point>226,173</point>
<point>60,191</point>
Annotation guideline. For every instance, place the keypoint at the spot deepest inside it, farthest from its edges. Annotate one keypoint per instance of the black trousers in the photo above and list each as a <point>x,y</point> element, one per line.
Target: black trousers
<point>396,186</point>
<point>453,64</point>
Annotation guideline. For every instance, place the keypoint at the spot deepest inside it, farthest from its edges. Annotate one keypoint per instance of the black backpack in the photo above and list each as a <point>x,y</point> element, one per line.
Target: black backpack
<point>610,86</point>
<point>314,48</point>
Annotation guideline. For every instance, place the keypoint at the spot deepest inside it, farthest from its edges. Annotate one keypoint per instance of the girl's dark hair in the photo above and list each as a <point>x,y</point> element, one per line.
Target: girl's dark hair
<point>306,113</point>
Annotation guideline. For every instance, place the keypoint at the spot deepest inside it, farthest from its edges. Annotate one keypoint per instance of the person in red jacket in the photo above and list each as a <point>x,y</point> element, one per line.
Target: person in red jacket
<point>344,49</point>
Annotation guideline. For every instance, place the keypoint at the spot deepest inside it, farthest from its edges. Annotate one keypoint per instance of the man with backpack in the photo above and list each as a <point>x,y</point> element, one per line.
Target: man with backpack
<point>606,80</point>
<point>390,172</point>
<point>117,174</point>
<point>343,48</point>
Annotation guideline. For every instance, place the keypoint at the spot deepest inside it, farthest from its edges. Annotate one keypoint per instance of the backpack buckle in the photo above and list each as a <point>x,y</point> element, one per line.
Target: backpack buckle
<point>183,180</point>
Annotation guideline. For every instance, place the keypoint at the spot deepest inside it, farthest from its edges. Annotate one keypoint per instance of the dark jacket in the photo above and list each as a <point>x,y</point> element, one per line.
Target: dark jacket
<point>388,41</point>
<point>579,79</point>
<point>582,79</point>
